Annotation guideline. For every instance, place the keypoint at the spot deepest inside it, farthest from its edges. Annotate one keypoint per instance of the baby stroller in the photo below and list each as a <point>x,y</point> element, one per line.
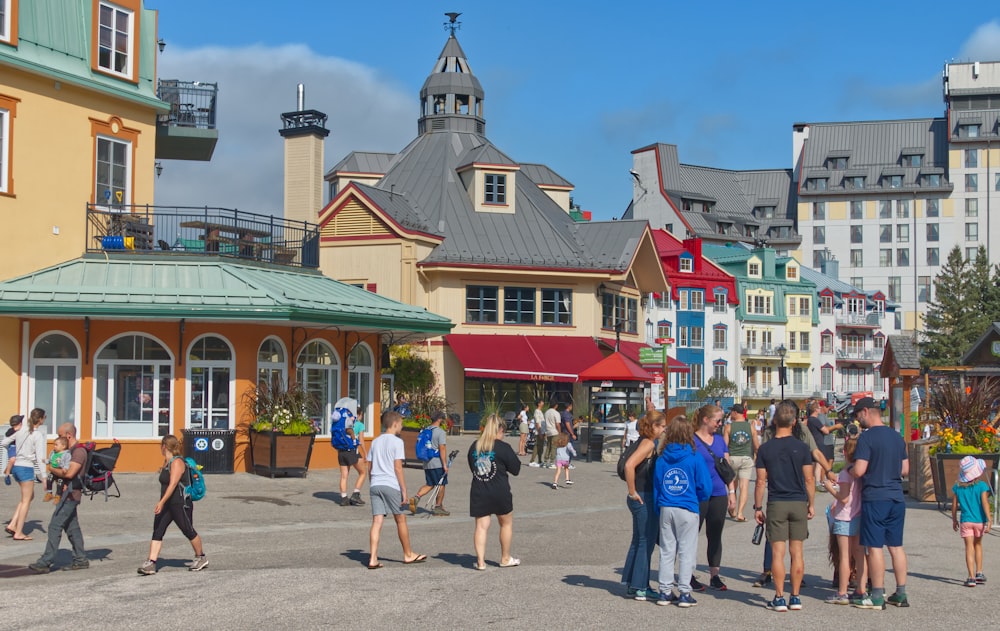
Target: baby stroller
<point>98,472</point>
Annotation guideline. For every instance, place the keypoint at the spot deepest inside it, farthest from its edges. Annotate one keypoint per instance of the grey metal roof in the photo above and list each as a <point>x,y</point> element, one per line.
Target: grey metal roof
<point>875,146</point>
<point>905,351</point>
<point>485,153</point>
<point>840,287</point>
<point>398,208</point>
<point>363,162</point>
<point>543,175</point>
<point>614,248</point>
<point>446,78</point>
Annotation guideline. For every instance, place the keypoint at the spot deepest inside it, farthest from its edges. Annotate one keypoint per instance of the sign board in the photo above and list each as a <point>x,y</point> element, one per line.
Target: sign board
<point>668,341</point>
<point>656,394</point>
<point>651,356</point>
<point>658,378</point>
<point>607,384</point>
<point>201,444</point>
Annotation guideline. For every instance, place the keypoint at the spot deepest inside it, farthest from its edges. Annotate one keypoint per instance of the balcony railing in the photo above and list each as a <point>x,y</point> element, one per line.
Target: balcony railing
<point>759,351</point>
<point>144,230</point>
<point>871,356</point>
<point>858,319</point>
<point>192,103</point>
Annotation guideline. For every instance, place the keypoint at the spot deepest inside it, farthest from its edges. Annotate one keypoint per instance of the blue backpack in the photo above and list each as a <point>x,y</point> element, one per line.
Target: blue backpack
<point>338,430</point>
<point>195,488</point>
<point>425,448</point>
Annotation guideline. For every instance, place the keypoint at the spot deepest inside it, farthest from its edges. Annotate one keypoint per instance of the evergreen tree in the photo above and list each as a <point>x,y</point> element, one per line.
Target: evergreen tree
<point>985,292</point>
<point>948,327</point>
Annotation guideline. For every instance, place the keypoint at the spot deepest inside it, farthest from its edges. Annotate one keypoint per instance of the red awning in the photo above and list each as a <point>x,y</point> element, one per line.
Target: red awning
<point>524,357</point>
<point>631,350</point>
<point>615,367</point>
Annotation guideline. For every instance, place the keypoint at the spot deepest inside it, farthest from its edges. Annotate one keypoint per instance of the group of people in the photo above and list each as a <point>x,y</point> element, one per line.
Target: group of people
<point>686,473</point>
<point>24,460</point>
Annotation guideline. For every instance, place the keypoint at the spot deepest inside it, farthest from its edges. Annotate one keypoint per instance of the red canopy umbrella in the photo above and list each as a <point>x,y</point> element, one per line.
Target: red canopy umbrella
<point>615,367</point>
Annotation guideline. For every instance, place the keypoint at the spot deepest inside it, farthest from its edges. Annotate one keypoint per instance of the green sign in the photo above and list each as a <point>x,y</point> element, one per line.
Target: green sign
<point>651,355</point>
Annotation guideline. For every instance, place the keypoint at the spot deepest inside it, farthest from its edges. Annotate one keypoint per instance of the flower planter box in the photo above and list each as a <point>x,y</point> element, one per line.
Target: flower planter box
<point>277,454</point>
<point>945,468</point>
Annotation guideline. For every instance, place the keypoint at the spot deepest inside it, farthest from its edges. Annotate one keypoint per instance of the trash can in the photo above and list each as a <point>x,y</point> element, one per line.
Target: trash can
<point>213,449</point>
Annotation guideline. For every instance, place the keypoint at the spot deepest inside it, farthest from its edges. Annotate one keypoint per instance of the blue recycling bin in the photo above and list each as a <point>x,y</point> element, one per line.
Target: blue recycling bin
<point>213,449</point>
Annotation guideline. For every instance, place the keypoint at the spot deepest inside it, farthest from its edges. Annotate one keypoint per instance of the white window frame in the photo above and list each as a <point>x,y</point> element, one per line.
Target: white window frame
<point>55,414</point>
<point>720,371</point>
<point>720,338</point>
<point>164,369</point>
<point>4,147</point>
<point>355,374</point>
<point>826,305</point>
<point>686,264</point>
<point>330,374</point>
<point>130,45</point>
<point>209,406</point>
<point>697,300</point>
<point>697,337</point>
<point>110,201</point>
<point>267,369</point>
<point>6,23</point>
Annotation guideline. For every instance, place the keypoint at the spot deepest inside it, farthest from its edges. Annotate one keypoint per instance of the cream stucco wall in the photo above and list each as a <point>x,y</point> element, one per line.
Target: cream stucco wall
<point>52,159</point>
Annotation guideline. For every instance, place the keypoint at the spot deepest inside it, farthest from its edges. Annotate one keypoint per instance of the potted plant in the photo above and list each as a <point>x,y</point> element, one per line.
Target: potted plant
<point>966,424</point>
<point>282,432</point>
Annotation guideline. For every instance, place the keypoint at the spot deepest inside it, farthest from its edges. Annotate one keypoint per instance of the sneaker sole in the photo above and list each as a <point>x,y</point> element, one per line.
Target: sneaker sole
<point>779,609</point>
<point>146,573</point>
<point>794,607</point>
<point>902,604</point>
<point>195,568</point>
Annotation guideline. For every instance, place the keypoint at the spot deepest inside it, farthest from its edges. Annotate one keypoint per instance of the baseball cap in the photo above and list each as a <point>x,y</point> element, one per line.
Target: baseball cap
<point>739,409</point>
<point>867,403</point>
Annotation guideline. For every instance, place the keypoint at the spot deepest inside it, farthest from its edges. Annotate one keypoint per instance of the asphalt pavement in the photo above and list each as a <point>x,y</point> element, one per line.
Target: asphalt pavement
<point>284,554</point>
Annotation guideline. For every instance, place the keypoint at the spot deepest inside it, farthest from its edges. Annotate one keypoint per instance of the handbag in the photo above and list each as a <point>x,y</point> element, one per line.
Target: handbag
<point>722,466</point>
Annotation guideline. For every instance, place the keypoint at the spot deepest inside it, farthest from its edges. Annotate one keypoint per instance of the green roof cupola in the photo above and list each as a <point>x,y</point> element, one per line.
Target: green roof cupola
<point>451,98</point>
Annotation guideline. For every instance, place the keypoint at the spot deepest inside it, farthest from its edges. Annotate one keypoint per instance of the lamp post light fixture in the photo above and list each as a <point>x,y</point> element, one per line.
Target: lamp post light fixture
<point>781,350</point>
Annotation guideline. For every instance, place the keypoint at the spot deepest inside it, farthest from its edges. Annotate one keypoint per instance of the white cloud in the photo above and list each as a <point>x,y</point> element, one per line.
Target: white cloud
<point>983,44</point>
<point>367,112</point>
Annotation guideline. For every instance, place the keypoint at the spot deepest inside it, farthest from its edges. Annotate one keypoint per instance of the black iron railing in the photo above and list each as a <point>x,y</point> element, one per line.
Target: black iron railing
<point>192,103</point>
<point>144,230</point>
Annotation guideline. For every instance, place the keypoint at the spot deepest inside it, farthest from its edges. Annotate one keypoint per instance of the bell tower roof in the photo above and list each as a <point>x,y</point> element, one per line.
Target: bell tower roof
<point>451,98</point>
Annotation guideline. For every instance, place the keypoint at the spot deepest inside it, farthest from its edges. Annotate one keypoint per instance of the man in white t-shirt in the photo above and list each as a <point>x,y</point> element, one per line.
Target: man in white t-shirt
<point>388,488</point>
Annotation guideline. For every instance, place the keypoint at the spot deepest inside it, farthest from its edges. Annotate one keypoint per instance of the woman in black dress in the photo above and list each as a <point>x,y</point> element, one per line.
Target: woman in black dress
<point>490,460</point>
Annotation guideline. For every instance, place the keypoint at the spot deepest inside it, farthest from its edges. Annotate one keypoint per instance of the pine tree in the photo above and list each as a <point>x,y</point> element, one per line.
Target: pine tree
<point>948,327</point>
<point>985,292</point>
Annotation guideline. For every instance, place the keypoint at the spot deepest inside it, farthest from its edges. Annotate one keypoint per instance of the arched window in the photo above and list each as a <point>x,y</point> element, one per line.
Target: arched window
<point>360,376</point>
<point>210,385</point>
<point>319,373</point>
<point>132,388</point>
<point>271,362</point>
<point>55,385</point>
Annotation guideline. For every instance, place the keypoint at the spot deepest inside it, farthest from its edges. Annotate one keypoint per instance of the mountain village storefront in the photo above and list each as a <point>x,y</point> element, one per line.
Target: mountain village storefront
<point>136,349</point>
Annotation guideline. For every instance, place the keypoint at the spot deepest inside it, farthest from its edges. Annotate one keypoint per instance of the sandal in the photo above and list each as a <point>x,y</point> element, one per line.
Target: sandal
<point>479,568</point>
<point>377,566</point>
<point>10,533</point>
<point>24,538</point>
<point>512,563</point>
<point>420,558</point>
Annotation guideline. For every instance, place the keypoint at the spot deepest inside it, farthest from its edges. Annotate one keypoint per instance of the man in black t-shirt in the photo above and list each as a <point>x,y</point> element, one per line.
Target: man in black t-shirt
<point>784,468</point>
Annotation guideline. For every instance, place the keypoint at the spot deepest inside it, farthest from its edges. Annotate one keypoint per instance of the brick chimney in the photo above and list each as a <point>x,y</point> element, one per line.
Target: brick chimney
<point>304,132</point>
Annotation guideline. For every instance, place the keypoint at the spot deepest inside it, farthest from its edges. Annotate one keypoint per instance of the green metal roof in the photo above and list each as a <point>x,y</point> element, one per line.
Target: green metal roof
<point>54,38</point>
<point>163,287</point>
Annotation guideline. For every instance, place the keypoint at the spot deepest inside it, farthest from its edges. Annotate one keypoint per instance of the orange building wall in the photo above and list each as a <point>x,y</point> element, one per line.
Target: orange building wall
<point>143,454</point>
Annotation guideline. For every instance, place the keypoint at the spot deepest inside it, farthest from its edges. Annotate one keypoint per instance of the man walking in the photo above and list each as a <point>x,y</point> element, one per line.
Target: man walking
<point>784,468</point>
<point>387,486</point>
<point>539,450</point>
<point>435,469</point>
<point>822,435</point>
<point>566,427</point>
<point>64,518</point>
<point>552,420</point>
<point>880,462</point>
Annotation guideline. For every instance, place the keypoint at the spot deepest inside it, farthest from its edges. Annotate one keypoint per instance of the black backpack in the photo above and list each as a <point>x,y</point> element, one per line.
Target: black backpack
<point>626,454</point>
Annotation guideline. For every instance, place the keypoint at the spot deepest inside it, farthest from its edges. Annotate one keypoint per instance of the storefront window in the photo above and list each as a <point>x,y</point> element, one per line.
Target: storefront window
<point>359,382</point>
<point>210,367</point>
<point>271,363</point>
<point>55,365</point>
<point>319,374</point>
<point>132,375</point>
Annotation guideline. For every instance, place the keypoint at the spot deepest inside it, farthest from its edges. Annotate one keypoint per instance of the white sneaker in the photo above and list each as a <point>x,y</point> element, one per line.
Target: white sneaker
<point>534,464</point>
<point>572,466</point>
<point>569,482</point>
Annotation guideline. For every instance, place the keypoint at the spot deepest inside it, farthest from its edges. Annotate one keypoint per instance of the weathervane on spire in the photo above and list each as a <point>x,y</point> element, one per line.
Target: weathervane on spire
<point>453,24</point>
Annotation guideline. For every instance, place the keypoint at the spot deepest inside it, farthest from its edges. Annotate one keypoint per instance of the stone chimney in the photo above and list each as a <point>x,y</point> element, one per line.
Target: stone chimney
<point>304,132</point>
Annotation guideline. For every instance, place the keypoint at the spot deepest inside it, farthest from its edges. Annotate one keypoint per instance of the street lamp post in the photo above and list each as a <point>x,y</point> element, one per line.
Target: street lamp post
<point>781,350</point>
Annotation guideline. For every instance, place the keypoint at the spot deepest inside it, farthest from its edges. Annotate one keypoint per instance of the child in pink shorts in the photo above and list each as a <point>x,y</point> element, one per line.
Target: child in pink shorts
<point>564,450</point>
<point>971,495</point>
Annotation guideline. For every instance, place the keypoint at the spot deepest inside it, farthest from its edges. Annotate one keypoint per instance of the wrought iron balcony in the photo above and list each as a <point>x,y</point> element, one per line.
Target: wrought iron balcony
<point>186,231</point>
<point>866,320</point>
<point>188,130</point>
<point>760,351</point>
<point>858,355</point>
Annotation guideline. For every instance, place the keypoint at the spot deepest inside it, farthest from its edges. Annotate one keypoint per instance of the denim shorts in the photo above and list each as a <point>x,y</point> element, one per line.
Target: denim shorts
<point>23,474</point>
<point>845,528</point>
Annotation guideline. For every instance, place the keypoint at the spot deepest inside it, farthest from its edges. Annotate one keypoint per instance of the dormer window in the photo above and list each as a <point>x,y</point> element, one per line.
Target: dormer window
<point>115,34</point>
<point>855,181</point>
<point>836,164</point>
<point>495,189</point>
<point>686,264</point>
<point>931,179</point>
<point>912,160</point>
<point>968,131</point>
<point>763,212</point>
<point>753,269</point>
<point>791,273</point>
<point>816,184</point>
<point>723,227</point>
<point>751,231</point>
<point>895,181</point>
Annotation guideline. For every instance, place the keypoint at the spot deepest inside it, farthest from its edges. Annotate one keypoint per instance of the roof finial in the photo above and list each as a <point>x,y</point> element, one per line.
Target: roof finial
<point>453,24</point>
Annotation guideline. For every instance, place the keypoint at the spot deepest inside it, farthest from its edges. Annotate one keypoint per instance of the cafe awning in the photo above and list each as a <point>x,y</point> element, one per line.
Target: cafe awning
<point>524,357</point>
<point>615,367</point>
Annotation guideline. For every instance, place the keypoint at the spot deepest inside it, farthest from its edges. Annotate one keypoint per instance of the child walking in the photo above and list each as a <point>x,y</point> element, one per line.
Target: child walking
<point>58,460</point>
<point>972,495</point>
<point>564,450</point>
<point>844,518</point>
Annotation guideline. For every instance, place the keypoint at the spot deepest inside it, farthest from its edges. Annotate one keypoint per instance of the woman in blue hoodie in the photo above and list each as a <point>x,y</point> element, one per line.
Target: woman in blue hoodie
<point>681,481</point>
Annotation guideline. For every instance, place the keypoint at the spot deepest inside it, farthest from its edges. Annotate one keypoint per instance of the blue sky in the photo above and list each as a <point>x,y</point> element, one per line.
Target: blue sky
<point>574,85</point>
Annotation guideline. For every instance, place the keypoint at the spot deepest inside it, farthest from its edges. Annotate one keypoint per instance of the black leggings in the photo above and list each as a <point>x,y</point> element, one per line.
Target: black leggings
<point>714,512</point>
<point>180,514</point>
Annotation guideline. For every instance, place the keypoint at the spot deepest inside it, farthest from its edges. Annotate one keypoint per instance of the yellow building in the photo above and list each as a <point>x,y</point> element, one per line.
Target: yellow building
<point>453,224</point>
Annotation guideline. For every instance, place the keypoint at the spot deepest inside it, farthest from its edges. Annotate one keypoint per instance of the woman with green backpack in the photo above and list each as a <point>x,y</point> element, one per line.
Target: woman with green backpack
<point>174,506</point>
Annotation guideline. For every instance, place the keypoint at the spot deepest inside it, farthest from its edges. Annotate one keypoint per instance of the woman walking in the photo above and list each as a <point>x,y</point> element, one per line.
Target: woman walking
<point>639,479</point>
<point>710,446</point>
<point>173,507</point>
<point>522,428</point>
<point>491,460</point>
<point>29,462</point>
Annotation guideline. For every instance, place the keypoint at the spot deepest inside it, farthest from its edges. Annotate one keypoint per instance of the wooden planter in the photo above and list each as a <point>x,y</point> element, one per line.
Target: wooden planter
<point>277,454</point>
<point>945,468</point>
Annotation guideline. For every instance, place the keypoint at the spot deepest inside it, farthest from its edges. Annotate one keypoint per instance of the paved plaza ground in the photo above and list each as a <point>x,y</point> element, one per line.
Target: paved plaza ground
<point>284,555</point>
